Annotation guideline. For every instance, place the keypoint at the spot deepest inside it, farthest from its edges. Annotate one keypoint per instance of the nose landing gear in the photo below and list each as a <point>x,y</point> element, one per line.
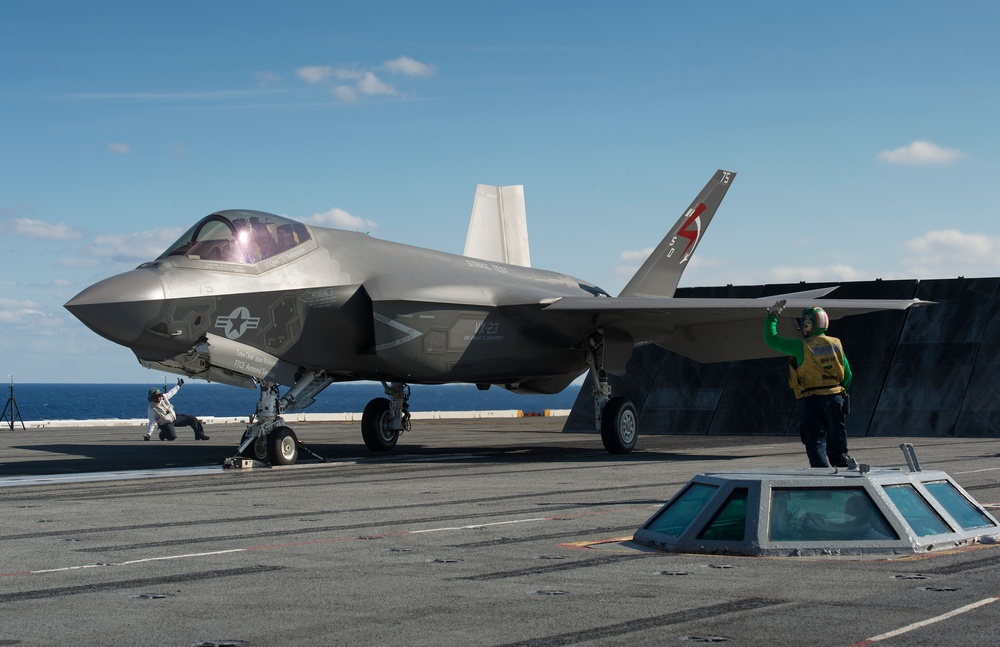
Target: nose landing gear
<point>267,441</point>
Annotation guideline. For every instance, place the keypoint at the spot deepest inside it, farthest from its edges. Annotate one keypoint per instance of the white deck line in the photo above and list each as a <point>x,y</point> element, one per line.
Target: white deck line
<point>298,417</point>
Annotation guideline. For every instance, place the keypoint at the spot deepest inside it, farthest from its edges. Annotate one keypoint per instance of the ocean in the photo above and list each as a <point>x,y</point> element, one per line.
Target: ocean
<point>123,401</point>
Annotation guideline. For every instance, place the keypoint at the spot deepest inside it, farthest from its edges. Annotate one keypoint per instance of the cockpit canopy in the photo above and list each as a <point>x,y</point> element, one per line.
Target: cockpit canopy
<point>239,236</point>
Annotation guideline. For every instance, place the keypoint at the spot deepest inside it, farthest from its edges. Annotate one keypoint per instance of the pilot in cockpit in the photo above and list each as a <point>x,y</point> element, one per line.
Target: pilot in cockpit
<point>286,237</point>
<point>245,239</point>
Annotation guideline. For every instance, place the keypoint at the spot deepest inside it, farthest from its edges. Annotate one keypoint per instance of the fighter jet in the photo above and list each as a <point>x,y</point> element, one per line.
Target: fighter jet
<point>253,299</point>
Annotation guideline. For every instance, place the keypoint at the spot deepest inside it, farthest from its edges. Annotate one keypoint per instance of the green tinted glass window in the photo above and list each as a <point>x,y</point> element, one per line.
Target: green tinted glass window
<point>674,519</point>
<point>826,514</point>
<point>730,522</point>
<point>967,515</point>
<point>921,517</point>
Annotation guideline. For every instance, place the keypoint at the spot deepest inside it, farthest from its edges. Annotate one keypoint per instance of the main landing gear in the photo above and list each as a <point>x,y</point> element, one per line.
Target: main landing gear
<point>267,440</point>
<point>385,418</point>
<point>615,418</point>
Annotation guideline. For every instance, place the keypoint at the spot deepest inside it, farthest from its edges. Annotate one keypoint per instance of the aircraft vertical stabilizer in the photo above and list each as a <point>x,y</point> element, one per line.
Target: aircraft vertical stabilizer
<point>659,275</point>
<point>498,228</point>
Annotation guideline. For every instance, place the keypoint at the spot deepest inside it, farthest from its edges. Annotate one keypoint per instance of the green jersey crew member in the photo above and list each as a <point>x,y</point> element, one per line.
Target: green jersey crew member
<point>819,375</point>
<point>161,415</point>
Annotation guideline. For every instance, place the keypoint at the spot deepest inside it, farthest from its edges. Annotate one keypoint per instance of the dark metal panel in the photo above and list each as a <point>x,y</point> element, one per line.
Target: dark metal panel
<point>756,399</point>
<point>933,364</point>
<point>683,396</point>
<point>980,413</point>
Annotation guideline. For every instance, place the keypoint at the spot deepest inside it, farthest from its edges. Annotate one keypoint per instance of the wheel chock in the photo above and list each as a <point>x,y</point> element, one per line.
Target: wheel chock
<point>242,463</point>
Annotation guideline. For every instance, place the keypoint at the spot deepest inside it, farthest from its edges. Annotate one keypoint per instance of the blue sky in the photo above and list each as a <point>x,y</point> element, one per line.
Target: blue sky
<point>864,134</point>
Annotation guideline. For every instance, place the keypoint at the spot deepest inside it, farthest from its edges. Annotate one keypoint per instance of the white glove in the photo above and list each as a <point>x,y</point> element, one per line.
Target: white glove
<point>776,309</point>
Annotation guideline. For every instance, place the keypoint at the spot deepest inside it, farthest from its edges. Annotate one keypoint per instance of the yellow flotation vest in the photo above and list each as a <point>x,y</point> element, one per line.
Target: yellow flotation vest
<point>822,369</point>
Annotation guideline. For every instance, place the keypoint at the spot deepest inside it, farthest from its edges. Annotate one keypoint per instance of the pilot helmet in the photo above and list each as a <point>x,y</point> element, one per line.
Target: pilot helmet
<point>820,320</point>
<point>154,394</point>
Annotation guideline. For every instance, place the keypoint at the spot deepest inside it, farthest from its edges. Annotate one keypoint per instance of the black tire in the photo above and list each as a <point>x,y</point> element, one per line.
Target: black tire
<point>375,426</point>
<point>282,446</point>
<point>256,450</point>
<point>619,426</point>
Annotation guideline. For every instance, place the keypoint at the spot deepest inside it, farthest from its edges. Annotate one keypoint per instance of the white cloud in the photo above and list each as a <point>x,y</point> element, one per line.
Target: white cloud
<point>636,257</point>
<point>40,229</point>
<point>12,310</point>
<point>122,149</point>
<point>372,85</point>
<point>361,81</point>
<point>345,93</point>
<point>347,74</point>
<point>950,252</point>
<point>137,247</point>
<point>340,219</point>
<point>955,242</point>
<point>811,274</point>
<point>314,73</point>
<point>920,153</point>
<point>408,66</point>
<point>632,260</point>
<point>18,303</point>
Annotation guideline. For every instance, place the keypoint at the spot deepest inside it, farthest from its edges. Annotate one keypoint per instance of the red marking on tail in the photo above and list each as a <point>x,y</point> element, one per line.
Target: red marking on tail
<point>691,235</point>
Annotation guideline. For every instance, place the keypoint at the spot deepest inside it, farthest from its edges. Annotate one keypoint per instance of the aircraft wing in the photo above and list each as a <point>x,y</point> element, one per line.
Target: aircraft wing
<point>710,329</point>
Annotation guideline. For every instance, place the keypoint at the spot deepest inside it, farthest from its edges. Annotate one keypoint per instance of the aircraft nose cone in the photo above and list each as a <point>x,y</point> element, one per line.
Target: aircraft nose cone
<point>120,308</point>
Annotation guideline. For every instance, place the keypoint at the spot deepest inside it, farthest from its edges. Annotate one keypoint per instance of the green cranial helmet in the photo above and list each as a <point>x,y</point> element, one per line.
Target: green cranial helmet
<point>820,320</point>
<point>153,394</point>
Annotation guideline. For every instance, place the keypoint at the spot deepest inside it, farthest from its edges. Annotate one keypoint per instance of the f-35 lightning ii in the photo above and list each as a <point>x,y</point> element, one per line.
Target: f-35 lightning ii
<point>253,299</point>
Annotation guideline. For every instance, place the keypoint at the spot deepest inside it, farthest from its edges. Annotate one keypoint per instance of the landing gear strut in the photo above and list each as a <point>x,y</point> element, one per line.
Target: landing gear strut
<point>615,418</point>
<point>267,440</point>
<point>385,418</point>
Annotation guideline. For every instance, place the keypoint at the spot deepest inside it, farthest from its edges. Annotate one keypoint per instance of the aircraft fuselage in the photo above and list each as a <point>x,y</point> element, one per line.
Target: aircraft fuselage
<point>349,305</point>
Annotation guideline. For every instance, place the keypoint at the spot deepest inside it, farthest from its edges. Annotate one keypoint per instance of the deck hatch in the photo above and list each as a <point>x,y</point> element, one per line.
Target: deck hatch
<point>819,512</point>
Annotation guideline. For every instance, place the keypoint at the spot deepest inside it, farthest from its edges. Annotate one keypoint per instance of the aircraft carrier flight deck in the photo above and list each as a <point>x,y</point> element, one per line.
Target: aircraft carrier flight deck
<point>470,532</point>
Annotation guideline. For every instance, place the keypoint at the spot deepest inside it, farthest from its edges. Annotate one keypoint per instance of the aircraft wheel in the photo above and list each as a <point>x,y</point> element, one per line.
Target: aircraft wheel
<point>257,450</point>
<point>282,447</point>
<point>375,426</point>
<point>619,426</point>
